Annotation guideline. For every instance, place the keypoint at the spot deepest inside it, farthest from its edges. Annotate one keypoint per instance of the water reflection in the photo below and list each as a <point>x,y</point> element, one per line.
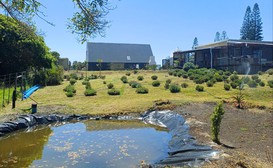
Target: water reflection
<point>86,144</point>
<point>22,148</point>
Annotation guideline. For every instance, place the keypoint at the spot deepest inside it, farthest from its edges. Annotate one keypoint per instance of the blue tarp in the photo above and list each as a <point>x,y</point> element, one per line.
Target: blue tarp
<point>28,92</point>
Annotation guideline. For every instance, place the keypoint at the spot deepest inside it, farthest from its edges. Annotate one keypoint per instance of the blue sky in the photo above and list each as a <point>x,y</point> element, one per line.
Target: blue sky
<point>165,25</point>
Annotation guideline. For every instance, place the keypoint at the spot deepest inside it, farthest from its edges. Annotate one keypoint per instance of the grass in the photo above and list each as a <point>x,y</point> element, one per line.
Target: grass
<point>130,101</point>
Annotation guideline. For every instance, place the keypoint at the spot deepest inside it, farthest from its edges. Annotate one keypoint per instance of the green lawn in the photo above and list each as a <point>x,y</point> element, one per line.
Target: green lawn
<point>130,101</point>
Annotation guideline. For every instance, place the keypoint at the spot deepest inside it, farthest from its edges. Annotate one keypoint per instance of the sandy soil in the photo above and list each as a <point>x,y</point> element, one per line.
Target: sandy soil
<point>249,131</point>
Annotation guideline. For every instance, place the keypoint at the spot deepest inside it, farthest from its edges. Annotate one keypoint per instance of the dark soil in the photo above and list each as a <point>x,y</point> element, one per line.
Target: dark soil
<point>250,131</point>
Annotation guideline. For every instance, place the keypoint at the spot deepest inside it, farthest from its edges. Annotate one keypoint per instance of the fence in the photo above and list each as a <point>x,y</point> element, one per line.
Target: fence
<point>11,84</point>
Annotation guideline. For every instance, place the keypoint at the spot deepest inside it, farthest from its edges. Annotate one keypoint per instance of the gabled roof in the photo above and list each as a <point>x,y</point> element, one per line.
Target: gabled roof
<point>118,52</point>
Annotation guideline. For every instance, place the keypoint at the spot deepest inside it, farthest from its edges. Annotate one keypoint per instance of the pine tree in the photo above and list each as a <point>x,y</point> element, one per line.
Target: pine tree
<point>224,35</point>
<point>256,24</point>
<point>195,43</point>
<point>217,37</point>
<point>246,27</point>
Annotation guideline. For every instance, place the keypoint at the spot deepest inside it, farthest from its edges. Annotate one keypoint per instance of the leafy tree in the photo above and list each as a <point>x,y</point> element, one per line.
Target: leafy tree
<point>189,65</point>
<point>252,24</point>
<point>87,21</point>
<point>224,35</point>
<point>20,48</point>
<point>55,54</point>
<point>216,118</point>
<point>246,27</point>
<point>195,43</point>
<point>256,24</point>
<point>217,37</point>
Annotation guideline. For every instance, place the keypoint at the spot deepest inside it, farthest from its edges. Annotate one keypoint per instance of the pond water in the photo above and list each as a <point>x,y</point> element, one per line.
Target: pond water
<point>89,143</point>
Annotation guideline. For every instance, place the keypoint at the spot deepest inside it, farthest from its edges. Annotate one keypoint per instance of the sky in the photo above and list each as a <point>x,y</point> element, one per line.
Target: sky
<point>165,25</point>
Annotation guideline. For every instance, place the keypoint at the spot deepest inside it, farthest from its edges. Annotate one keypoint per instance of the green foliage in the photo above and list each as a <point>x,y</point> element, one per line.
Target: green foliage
<point>70,88</point>
<point>226,87</point>
<point>270,83</point>
<point>188,65</point>
<point>93,76</point>
<point>110,86</point>
<point>72,81</point>
<point>199,88</point>
<point>142,90</point>
<point>233,78</point>
<point>269,71</point>
<point>174,88</point>
<point>84,82</point>
<point>254,77</point>
<point>135,71</point>
<point>140,78</point>
<point>168,81</point>
<point>154,77</point>
<point>104,82</point>
<point>21,48</point>
<point>124,79</point>
<point>69,94</point>
<point>113,92</point>
<point>167,85</point>
<point>184,85</point>
<point>210,84</point>
<point>156,83</point>
<point>239,100</point>
<point>74,76</point>
<point>127,73</point>
<point>252,84</point>
<point>261,83</point>
<point>90,92</point>
<point>88,85</point>
<point>234,85</point>
<point>216,119</point>
<point>134,84</point>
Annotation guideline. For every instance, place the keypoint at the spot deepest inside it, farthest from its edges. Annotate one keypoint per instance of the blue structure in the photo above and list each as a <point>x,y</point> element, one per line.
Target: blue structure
<point>28,92</point>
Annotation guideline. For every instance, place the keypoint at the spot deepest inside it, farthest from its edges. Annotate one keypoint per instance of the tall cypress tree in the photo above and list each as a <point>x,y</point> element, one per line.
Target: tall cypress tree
<point>195,43</point>
<point>217,37</point>
<point>246,27</point>
<point>224,35</point>
<point>256,24</point>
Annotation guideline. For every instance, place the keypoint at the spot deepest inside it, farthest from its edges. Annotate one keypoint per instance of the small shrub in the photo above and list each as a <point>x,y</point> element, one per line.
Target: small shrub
<point>254,77</point>
<point>261,83</point>
<point>104,82</point>
<point>102,76</point>
<point>113,91</point>
<point>246,79</point>
<point>270,83</point>
<point>154,77</point>
<point>156,83</point>
<point>185,76</point>
<point>140,78</point>
<point>84,82</point>
<point>227,73</point>
<point>252,84</point>
<point>90,92</point>
<point>168,81</point>
<point>260,72</point>
<point>128,74</point>
<point>184,85</point>
<point>69,94</point>
<point>234,77</point>
<point>135,71</point>
<point>226,87</point>
<point>210,84</point>
<point>88,85</point>
<point>124,79</point>
<point>239,100</point>
<point>74,76</point>
<point>199,88</point>
<point>110,86</point>
<point>233,85</point>
<point>174,88</point>
<point>70,88</point>
<point>167,85</point>
<point>72,81</point>
<point>134,84</point>
<point>93,77</point>
<point>142,90</point>
<point>216,118</point>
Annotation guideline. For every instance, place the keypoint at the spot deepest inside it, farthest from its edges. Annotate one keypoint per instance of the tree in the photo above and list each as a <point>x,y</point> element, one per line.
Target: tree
<point>246,27</point>
<point>252,24</point>
<point>256,24</point>
<point>87,21</point>
<point>56,56</point>
<point>216,118</point>
<point>21,49</point>
<point>217,37</point>
<point>195,43</point>
<point>224,35</point>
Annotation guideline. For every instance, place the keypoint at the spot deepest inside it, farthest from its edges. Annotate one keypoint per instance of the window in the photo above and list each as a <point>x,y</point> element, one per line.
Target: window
<point>128,58</point>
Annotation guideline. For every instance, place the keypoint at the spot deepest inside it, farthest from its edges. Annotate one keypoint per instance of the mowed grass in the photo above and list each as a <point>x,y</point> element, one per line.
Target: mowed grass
<point>130,101</point>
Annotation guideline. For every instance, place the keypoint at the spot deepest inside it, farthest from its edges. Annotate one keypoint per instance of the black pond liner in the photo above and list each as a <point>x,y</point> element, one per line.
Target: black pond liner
<point>183,150</point>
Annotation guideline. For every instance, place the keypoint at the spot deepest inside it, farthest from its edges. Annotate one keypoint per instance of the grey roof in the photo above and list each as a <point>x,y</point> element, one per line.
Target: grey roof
<point>118,53</point>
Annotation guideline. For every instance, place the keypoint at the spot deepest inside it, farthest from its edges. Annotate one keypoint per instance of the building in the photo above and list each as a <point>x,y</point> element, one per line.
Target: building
<point>234,55</point>
<point>116,56</point>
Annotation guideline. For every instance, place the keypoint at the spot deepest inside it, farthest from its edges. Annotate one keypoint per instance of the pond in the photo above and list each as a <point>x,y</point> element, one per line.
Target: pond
<point>90,143</point>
